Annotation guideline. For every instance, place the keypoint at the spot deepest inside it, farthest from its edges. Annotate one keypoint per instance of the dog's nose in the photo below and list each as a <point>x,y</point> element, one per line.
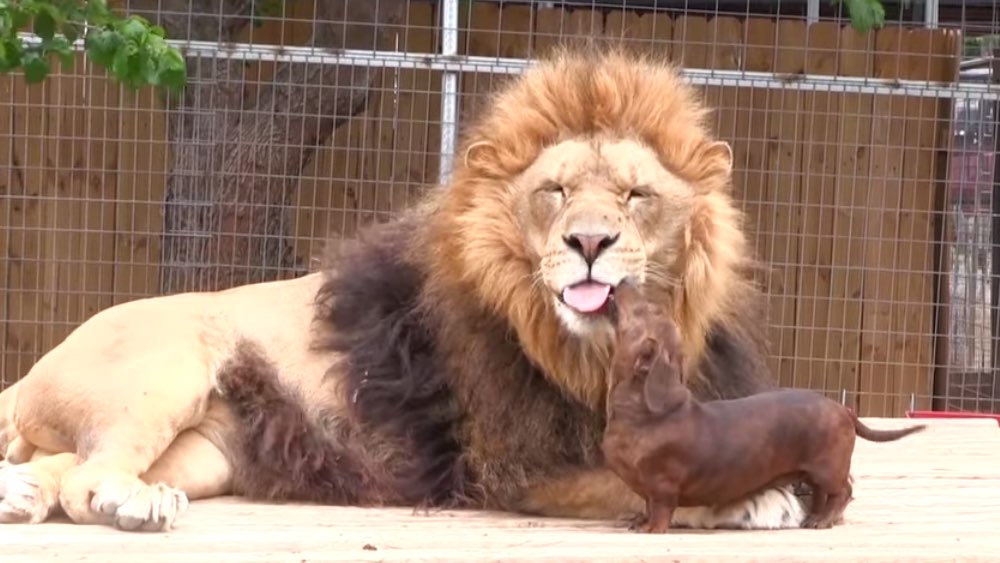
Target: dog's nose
<point>590,246</point>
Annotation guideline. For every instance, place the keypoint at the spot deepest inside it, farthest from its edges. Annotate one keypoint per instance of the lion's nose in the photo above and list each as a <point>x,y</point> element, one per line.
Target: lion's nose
<point>590,246</point>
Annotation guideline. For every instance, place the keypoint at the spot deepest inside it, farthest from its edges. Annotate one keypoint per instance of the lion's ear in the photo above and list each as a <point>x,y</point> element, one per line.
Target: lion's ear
<point>479,151</point>
<point>722,153</point>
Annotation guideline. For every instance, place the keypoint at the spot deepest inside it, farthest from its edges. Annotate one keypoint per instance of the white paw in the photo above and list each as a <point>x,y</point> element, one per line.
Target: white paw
<point>23,497</point>
<point>770,510</point>
<point>149,508</point>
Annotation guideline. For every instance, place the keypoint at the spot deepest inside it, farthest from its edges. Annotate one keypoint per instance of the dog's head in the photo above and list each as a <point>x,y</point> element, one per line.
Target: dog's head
<point>649,348</point>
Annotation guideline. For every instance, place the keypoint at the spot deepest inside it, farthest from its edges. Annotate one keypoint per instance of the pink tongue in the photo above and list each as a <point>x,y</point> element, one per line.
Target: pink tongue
<point>587,297</point>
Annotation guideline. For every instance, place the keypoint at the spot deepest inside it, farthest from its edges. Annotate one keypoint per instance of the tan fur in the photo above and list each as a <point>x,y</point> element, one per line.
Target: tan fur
<point>106,394</point>
<point>125,408</point>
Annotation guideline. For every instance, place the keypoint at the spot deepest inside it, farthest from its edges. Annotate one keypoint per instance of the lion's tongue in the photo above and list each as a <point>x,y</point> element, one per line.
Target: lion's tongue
<point>587,297</point>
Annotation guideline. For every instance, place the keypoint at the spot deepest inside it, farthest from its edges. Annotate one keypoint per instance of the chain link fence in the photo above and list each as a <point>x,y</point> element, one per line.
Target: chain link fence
<point>865,163</point>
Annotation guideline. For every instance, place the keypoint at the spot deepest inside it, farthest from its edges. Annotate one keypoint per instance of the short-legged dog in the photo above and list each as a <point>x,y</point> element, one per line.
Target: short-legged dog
<point>676,451</point>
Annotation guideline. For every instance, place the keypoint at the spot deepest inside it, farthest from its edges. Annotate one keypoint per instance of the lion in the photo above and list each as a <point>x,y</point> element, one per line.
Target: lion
<point>456,356</point>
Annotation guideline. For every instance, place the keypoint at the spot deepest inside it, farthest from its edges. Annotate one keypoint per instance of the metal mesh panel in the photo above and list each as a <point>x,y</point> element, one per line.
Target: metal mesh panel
<point>865,163</point>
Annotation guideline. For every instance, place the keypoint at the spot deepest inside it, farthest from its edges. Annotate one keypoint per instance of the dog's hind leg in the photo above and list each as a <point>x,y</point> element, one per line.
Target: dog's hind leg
<point>831,495</point>
<point>832,511</point>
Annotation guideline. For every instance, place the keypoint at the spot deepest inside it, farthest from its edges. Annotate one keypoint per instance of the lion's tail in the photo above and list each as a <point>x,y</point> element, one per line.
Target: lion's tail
<point>283,454</point>
<point>873,435</point>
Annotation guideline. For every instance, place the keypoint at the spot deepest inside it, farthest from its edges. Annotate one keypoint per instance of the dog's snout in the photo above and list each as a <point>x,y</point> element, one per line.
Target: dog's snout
<point>590,246</point>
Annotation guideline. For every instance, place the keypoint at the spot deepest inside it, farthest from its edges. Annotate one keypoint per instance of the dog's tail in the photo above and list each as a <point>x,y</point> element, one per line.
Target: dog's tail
<point>873,435</point>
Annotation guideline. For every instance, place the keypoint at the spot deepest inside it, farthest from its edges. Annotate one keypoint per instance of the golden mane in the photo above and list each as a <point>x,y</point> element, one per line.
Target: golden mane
<point>572,93</point>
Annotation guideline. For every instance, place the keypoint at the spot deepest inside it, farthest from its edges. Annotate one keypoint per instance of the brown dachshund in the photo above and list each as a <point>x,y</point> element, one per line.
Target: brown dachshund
<point>675,451</point>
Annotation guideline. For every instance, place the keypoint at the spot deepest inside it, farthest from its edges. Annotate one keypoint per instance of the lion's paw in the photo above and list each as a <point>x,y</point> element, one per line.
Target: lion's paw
<point>772,509</point>
<point>24,496</point>
<point>149,508</point>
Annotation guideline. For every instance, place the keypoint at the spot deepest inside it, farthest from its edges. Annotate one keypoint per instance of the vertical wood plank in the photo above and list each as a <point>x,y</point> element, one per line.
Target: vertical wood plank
<point>853,157</point>
<point>726,37</point>
<point>645,32</point>
<point>27,219</point>
<point>821,114</point>
<point>880,360</point>
<point>929,55</point>
<point>97,188</point>
<point>7,176</point>
<point>549,29</point>
<point>143,150</point>
<point>752,154</point>
<point>493,33</point>
<point>784,160</point>
<point>692,41</point>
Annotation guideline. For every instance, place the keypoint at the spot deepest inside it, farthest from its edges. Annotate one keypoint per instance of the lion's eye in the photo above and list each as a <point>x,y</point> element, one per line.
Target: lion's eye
<point>637,194</point>
<point>554,189</point>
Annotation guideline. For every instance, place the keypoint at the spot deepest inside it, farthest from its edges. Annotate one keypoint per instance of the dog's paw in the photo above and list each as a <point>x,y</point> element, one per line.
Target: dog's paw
<point>140,507</point>
<point>636,521</point>
<point>814,522</point>
<point>24,496</point>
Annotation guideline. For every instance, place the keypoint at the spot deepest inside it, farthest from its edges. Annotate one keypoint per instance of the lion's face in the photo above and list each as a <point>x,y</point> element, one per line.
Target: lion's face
<point>586,169</point>
<point>593,212</point>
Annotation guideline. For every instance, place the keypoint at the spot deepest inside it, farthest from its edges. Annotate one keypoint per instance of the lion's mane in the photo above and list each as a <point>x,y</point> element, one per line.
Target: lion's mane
<point>459,379</point>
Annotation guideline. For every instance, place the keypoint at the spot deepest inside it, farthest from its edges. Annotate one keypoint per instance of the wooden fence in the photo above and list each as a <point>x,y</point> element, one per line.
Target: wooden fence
<point>843,190</point>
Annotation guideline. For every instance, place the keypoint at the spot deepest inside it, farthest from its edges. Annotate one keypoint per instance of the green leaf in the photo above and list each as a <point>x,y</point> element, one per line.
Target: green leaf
<point>134,30</point>
<point>10,54</point>
<point>61,46</point>
<point>101,46</point>
<point>45,25</point>
<point>130,48</point>
<point>173,70</point>
<point>67,59</point>
<point>120,63</point>
<point>18,18</point>
<point>35,67</point>
<point>865,14</point>
<point>97,13</point>
<point>71,31</point>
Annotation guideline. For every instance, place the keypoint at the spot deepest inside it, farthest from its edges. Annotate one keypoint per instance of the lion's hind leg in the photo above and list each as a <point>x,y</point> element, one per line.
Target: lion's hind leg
<point>106,487</point>
<point>157,397</point>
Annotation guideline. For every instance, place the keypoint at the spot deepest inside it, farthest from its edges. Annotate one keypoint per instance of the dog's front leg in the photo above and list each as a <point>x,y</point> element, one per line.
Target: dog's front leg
<point>659,514</point>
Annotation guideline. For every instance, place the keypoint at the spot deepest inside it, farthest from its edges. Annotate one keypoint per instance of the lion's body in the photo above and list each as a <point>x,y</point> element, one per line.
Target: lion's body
<point>452,357</point>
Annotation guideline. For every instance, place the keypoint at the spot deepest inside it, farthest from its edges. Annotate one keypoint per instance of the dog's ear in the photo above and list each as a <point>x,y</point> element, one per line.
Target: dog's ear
<point>656,388</point>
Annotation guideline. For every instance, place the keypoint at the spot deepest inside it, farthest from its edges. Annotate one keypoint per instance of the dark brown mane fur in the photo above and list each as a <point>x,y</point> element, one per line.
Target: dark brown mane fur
<point>284,455</point>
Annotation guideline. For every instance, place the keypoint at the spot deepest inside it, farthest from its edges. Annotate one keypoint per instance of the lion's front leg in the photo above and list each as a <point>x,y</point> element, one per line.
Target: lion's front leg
<point>29,492</point>
<point>599,494</point>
